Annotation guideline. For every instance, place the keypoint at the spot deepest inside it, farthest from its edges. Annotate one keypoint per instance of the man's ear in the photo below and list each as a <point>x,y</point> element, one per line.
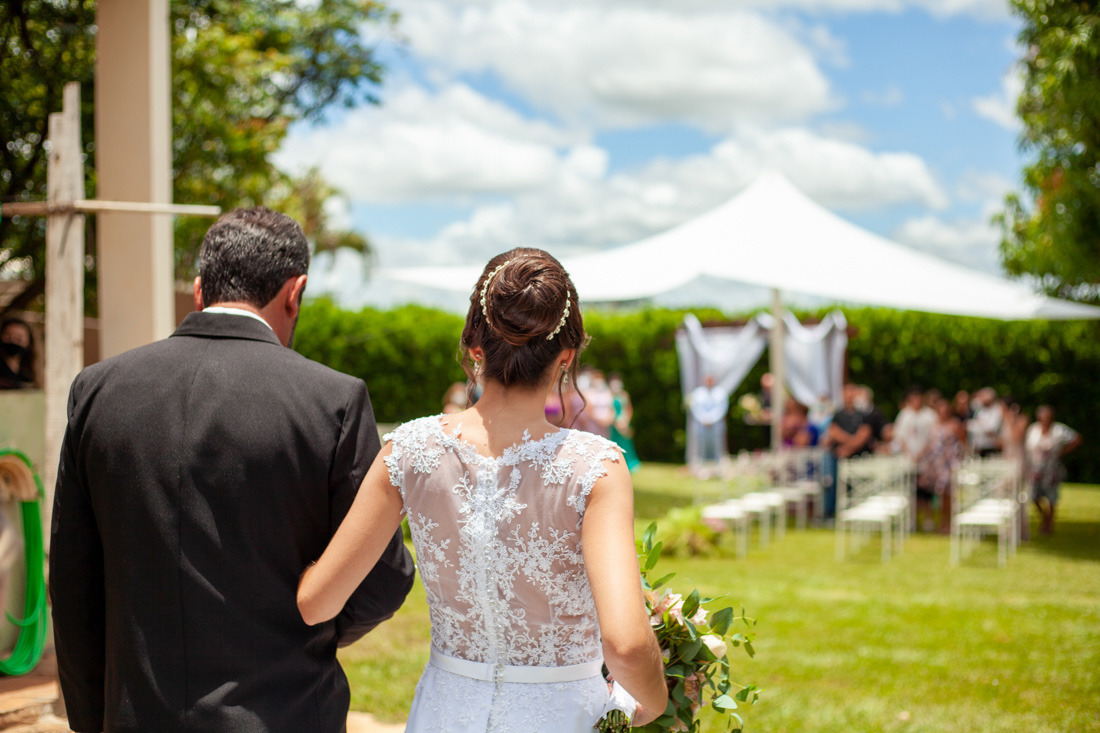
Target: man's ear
<point>294,295</point>
<point>198,294</point>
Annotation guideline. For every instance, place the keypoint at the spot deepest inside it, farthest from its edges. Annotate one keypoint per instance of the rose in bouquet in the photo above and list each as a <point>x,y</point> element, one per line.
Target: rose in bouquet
<point>694,645</point>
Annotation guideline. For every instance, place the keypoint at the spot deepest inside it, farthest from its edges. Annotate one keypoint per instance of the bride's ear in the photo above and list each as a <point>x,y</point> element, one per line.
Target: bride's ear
<point>567,357</point>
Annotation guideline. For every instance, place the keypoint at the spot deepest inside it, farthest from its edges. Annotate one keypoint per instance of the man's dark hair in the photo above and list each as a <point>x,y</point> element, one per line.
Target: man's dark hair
<point>249,254</point>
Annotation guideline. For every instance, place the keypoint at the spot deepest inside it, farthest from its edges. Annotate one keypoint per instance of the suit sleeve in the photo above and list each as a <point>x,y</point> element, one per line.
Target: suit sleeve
<point>384,589</point>
<point>77,586</point>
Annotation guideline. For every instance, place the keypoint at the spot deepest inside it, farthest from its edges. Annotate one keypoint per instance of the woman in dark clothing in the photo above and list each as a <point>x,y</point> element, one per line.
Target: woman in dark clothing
<point>16,354</point>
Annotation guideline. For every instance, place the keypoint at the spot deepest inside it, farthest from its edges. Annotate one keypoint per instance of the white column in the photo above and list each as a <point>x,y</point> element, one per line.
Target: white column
<point>133,131</point>
<point>64,281</point>
<point>777,364</point>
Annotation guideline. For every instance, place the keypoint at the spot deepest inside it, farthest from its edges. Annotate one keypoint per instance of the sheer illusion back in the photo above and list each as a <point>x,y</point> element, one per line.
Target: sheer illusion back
<point>498,542</point>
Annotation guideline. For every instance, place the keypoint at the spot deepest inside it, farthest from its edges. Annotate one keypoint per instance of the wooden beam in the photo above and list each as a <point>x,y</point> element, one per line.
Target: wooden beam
<point>64,280</point>
<point>91,206</point>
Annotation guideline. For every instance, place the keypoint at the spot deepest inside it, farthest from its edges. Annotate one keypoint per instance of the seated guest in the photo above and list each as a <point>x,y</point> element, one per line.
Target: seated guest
<point>796,428</point>
<point>16,354</point>
<point>865,403</point>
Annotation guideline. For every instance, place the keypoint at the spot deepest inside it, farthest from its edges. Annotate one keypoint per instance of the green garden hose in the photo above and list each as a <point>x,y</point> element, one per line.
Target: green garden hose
<point>32,627</point>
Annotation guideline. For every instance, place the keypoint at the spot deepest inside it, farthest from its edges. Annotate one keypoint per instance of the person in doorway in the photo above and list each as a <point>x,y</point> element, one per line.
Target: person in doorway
<point>16,354</point>
<point>1045,444</point>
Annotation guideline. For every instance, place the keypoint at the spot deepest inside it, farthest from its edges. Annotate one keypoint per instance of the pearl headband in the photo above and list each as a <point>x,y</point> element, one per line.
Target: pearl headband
<point>485,305</point>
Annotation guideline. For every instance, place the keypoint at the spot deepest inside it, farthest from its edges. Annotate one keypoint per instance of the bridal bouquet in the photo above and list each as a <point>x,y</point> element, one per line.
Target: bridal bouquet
<point>694,647</point>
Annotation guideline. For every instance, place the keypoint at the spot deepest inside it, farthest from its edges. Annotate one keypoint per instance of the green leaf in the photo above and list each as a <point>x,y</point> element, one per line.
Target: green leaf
<point>691,605</point>
<point>720,621</point>
<point>664,579</point>
<point>689,650</point>
<point>653,556</point>
<point>648,535</point>
<point>724,702</point>
<point>749,649</point>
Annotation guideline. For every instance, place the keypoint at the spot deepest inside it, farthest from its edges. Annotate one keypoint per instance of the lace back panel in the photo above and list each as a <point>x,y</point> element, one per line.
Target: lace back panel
<point>498,542</point>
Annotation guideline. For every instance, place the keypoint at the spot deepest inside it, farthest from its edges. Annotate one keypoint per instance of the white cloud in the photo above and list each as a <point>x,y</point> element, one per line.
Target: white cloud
<point>422,145</point>
<point>970,242</point>
<point>582,207</point>
<point>891,96</point>
<point>625,64</point>
<point>1000,106</point>
<point>983,9</point>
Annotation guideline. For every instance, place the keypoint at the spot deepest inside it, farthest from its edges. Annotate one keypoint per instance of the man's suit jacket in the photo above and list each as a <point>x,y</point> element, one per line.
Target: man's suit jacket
<point>199,476</point>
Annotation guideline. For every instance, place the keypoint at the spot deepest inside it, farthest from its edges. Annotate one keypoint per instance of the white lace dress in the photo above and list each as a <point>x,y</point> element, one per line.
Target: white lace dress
<point>499,552</point>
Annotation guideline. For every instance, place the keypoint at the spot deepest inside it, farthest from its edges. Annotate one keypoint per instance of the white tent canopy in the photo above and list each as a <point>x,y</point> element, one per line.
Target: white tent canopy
<point>772,235</point>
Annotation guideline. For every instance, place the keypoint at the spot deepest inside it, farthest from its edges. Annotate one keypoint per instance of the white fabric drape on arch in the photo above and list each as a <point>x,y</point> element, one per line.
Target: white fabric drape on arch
<point>814,358</point>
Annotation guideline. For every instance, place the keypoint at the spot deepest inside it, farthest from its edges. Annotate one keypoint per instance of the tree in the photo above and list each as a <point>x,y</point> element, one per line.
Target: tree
<point>242,73</point>
<point>1055,236</point>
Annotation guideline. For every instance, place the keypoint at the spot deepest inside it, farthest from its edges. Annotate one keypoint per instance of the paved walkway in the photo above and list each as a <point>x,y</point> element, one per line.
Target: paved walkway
<point>27,704</point>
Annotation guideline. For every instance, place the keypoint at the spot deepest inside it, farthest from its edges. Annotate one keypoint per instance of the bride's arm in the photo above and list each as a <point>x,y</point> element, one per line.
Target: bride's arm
<point>358,543</point>
<point>630,648</point>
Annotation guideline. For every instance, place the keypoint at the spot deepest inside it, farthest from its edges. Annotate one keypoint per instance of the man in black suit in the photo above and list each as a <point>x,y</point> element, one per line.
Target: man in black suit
<point>199,476</point>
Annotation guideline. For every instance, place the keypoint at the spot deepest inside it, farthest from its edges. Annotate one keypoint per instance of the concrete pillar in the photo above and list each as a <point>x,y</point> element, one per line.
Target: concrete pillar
<point>133,132</point>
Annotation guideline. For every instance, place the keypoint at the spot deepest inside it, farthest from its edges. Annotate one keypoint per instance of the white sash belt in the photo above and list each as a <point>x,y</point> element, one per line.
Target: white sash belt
<point>489,672</point>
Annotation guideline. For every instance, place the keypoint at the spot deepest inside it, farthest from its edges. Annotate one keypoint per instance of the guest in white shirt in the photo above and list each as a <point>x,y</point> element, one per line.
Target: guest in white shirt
<point>707,406</point>
<point>985,427</point>
<point>1045,443</point>
<point>913,425</point>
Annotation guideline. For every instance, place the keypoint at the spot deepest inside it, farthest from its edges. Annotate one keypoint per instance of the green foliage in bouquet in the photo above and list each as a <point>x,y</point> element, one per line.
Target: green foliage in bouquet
<point>684,534</point>
<point>695,646</point>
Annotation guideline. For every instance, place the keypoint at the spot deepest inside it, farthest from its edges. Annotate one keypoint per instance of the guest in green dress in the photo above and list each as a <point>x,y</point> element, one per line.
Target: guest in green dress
<point>621,431</point>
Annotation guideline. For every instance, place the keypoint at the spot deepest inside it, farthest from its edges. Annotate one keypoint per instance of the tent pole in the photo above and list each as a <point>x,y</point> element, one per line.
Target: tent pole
<point>777,364</point>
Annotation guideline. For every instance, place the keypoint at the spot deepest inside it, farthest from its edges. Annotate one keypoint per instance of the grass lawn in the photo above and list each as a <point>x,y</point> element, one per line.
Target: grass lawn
<point>912,645</point>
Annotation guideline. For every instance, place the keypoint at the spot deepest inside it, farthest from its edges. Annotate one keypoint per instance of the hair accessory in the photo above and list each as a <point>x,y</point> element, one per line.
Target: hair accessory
<point>561,323</point>
<point>485,287</point>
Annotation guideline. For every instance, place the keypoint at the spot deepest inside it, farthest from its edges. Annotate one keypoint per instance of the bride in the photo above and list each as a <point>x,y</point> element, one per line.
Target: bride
<point>524,532</point>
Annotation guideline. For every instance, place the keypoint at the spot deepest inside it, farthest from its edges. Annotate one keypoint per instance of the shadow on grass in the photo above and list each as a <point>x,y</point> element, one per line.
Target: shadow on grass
<point>1072,539</point>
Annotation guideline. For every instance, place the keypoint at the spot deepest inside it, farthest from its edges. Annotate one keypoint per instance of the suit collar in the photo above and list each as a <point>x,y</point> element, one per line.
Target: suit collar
<point>226,326</point>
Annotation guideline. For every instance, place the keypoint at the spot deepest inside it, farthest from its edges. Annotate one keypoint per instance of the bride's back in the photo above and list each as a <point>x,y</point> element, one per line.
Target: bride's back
<point>498,541</point>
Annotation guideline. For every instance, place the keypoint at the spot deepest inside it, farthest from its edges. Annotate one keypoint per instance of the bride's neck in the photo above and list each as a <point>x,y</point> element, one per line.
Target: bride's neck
<point>512,409</point>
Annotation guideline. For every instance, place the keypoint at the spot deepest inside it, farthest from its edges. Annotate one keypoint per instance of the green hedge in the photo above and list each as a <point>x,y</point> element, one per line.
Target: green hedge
<point>408,357</point>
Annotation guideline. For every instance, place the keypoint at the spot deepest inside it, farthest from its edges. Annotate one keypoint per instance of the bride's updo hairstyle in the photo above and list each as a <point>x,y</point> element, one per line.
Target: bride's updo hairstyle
<point>523,313</point>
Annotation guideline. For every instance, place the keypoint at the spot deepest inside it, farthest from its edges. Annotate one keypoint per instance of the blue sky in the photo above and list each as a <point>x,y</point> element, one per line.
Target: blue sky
<point>582,125</point>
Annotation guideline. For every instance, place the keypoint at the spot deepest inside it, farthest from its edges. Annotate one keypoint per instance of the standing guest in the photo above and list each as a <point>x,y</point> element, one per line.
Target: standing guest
<point>622,432</point>
<point>961,407</point>
<point>984,428</point>
<point>913,425</point>
<point>848,435</point>
<point>941,455</point>
<point>199,476</point>
<point>597,410</point>
<point>821,414</point>
<point>1014,424</point>
<point>456,399</point>
<point>707,407</point>
<point>1045,444</point>
<point>16,354</point>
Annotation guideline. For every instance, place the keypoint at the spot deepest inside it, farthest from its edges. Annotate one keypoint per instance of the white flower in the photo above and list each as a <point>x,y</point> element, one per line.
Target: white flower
<point>716,645</point>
